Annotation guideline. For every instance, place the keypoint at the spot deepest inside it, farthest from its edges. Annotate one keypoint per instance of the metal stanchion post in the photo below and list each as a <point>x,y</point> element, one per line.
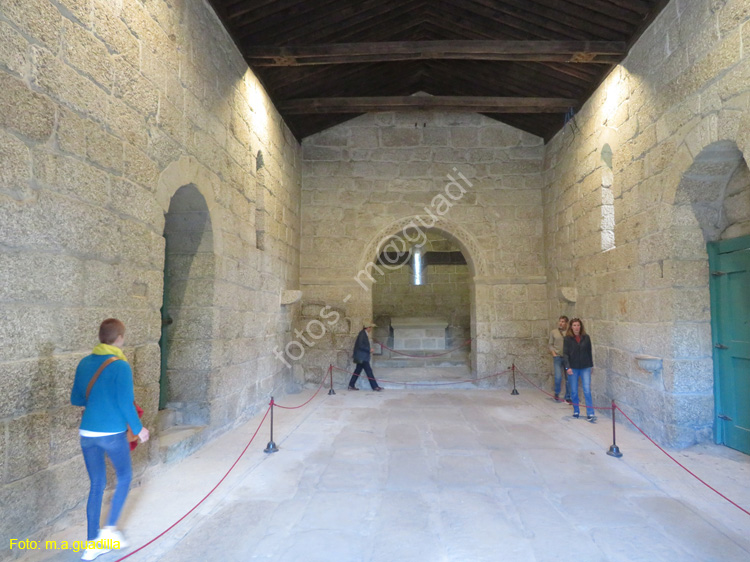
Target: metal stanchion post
<point>514,392</point>
<point>271,447</point>
<point>330,371</point>
<point>614,450</point>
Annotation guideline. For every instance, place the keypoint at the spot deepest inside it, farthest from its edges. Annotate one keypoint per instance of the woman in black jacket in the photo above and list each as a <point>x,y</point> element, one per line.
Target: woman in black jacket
<point>579,361</point>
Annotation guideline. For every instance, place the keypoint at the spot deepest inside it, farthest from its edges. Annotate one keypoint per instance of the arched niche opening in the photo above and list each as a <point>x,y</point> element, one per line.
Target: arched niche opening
<point>187,312</point>
<point>713,193</point>
<point>422,302</point>
<point>711,234</point>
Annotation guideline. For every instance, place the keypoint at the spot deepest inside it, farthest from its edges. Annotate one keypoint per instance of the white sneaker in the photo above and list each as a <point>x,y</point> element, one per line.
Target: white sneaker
<point>109,539</point>
<point>113,535</point>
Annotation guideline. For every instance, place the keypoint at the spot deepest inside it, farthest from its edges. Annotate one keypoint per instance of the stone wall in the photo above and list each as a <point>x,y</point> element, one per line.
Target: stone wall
<point>674,116</point>
<point>370,178</point>
<point>107,109</point>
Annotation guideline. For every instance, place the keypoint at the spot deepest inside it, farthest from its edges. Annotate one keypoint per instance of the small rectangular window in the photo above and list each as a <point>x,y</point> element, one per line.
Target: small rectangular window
<point>418,268</point>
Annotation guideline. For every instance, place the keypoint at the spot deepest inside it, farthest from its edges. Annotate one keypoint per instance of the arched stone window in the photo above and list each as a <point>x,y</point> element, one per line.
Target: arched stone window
<point>608,201</point>
<point>260,203</point>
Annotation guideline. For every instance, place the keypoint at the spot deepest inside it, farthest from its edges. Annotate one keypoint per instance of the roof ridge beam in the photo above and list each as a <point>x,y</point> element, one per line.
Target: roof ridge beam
<point>487,104</point>
<point>599,52</point>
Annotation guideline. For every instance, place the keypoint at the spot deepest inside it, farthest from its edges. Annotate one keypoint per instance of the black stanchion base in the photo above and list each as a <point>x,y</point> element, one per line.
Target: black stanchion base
<point>271,448</point>
<point>514,392</point>
<point>614,451</point>
<point>331,392</point>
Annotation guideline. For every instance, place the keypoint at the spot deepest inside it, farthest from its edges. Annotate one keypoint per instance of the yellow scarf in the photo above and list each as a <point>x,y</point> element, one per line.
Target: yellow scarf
<point>106,349</point>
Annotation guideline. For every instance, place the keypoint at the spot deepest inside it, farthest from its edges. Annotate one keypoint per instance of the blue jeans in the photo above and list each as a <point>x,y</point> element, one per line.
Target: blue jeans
<point>585,376</point>
<point>559,370</point>
<point>118,449</point>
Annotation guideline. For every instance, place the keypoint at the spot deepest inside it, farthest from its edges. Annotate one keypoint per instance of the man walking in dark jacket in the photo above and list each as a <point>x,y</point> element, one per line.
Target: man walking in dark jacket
<point>361,356</point>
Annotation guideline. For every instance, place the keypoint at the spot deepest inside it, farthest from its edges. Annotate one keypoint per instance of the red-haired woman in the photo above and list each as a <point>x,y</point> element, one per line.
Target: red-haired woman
<point>579,361</point>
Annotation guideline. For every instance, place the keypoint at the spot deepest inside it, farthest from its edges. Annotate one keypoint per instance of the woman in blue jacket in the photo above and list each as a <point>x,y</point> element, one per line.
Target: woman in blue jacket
<point>361,357</point>
<point>110,409</point>
<point>579,361</point>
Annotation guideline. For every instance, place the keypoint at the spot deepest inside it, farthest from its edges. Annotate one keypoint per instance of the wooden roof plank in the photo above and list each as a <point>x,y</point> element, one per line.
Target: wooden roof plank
<point>643,7</point>
<point>451,13</point>
<point>509,15</point>
<point>366,77</point>
<point>609,10</point>
<point>554,20</point>
<point>273,25</point>
<point>254,12</point>
<point>383,29</point>
<point>577,16</point>
<point>319,23</point>
<point>481,79</point>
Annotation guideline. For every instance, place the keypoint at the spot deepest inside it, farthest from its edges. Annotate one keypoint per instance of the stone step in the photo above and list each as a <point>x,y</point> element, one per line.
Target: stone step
<point>406,363</point>
<point>426,378</point>
<point>423,353</point>
<point>422,359</point>
<point>430,385</point>
<point>166,418</point>
<point>179,441</point>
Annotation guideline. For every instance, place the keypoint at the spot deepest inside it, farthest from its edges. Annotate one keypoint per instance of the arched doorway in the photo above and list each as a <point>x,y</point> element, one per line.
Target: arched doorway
<point>422,305</point>
<point>187,311</point>
<point>714,192</point>
<point>411,229</point>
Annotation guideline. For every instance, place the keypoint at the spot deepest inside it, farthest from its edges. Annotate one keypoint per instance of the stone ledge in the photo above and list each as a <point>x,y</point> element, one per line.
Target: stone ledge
<point>568,294</point>
<point>649,363</point>
<point>336,281</point>
<point>536,280</point>
<point>290,297</point>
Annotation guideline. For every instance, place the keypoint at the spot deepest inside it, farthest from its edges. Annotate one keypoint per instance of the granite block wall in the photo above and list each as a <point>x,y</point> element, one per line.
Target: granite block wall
<point>107,111</point>
<point>663,143</point>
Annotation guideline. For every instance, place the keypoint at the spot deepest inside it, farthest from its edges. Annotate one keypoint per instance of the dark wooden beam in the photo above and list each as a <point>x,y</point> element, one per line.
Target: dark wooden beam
<point>606,52</point>
<point>552,72</point>
<point>485,104</point>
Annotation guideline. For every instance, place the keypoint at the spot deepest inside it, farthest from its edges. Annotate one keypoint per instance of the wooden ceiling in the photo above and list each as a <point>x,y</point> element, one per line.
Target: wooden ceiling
<point>524,62</point>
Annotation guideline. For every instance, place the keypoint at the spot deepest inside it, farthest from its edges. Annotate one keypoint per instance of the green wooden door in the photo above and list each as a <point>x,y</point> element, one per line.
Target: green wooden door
<point>730,321</point>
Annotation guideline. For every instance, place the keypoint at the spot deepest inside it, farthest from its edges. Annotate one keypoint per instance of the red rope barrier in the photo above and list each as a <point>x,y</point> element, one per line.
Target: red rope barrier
<point>330,370</point>
<point>204,497</point>
<point>467,342</point>
<point>615,406</point>
<point>322,381</point>
<point>680,464</point>
<point>551,396</point>
<point>424,383</point>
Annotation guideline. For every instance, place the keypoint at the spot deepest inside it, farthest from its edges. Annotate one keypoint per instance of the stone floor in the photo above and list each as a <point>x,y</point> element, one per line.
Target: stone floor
<point>438,475</point>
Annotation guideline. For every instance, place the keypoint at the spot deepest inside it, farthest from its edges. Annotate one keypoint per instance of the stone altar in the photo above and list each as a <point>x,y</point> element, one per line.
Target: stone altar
<point>419,333</point>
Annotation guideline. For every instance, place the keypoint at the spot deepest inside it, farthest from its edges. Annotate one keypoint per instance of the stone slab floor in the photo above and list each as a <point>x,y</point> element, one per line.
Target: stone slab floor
<point>438,475</point>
